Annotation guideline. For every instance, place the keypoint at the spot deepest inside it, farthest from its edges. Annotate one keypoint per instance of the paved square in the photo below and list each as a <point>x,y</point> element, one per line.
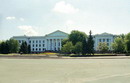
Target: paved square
<point>64,70</point>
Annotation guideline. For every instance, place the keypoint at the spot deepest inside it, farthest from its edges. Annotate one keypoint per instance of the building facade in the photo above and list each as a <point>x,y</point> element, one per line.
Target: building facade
<point>52,41</point>
<point>49,42</point>
<point>104,37</point>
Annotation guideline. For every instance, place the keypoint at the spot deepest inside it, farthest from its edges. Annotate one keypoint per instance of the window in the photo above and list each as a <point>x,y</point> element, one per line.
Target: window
<point>36,49</point>
<point>30,41</point>
<point>103,40</point>
<point>36,45</point>
<point>43,45</point>
<point>19,41</point>
<point>39,41</point>
<point>107,40</point>
<point>59,43</point>
<point>99,40</point>
<point>39,49</point>
<point>36,41</point>
<point>33,45</point>
<point>43,41</point>
<point>39,45</point>
<point>43,49</point>
<point>33,41</point>
<point>33,49</point>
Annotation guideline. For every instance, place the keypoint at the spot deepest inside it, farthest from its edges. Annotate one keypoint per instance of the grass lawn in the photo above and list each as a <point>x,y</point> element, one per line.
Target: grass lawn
<point>64,70</point>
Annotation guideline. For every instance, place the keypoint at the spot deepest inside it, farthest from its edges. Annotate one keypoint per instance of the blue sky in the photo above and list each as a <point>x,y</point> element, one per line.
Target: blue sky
<point>40,17</point>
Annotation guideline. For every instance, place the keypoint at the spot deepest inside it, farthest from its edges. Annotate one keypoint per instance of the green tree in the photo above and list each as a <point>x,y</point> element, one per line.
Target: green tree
<point>13,46</point>
<point>24,48</point>
<point>102,47</point>
<point>67,48</point>
<point>0,46</point>
<point>77,36</point>
<point>29,49</point>
<point>4,47</point>
<point>122,36</point>
<point>127,43</point>
<point>78,48</point>
<point>118,45</point>
<point>64,41</point>
<point>90,44</point>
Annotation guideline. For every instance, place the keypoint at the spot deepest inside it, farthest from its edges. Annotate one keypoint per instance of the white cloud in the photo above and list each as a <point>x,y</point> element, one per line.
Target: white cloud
<point>10,18</point>
<point>14,18</point>
<point>21,19</point>
<point>66,8</point>
<point>28,30</point>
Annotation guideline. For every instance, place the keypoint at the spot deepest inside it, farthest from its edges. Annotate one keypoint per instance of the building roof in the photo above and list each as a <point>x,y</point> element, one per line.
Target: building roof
<point>25,36</point>
<point>104,34</point>
<point>58,31</point>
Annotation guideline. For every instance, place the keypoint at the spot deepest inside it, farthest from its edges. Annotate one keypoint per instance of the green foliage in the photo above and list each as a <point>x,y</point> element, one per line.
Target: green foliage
<point>102,47</point>
<point>118,45</point>
<point>0,46</point>
<point>90,44</point>
<point>67,48</point>
<point>122,36</point>
<point>77,36</point>
<point>13,46</point>
<point>127,43</point>
<point>64,41</point>
<point>29,49</point>
<point>4,47</point>
<point>9,46</point>
<point>24,48</point>
<point>78,48</point>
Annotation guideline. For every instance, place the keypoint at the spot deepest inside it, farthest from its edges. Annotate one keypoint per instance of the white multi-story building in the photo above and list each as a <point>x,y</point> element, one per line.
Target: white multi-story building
<point>52,41</point>
<point>104,37</point>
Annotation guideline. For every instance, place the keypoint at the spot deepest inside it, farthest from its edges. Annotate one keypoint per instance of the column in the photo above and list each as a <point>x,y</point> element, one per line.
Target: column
<point>56,45</point>
<point>48,44</point>
<point>60,44</point>
<point>52,44</point>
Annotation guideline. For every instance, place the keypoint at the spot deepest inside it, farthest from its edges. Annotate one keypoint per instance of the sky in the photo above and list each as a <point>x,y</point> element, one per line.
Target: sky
<point>40,17</point>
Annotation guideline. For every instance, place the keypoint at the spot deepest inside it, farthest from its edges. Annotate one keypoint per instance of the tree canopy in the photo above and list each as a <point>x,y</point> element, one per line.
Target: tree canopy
<point>127,43</point>
<point>78,36</point>
<point>67,48</point>
<point>24,48</point>
<point>118,45</point>
<point>102,47</point>
<point>9,46</point>
<point>90,44</point>
<point>78,48</point>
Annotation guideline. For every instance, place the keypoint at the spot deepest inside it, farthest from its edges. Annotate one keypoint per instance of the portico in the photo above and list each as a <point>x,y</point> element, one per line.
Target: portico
<point>54,44</point>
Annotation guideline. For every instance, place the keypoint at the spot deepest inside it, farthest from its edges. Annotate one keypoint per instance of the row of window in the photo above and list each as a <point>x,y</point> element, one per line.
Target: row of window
<point>33,41</point>
<point>38,45</point>
<point>100,40</point>
<point>40,41</point>
<point>38,49</point>
<point>20,41</point>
